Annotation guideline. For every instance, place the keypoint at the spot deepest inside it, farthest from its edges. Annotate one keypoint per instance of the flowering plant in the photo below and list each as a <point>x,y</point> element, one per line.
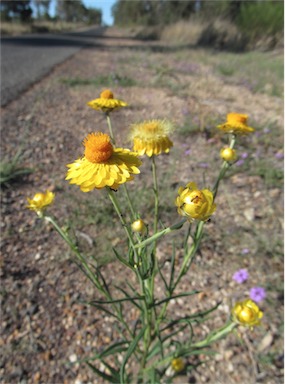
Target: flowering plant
<point>150,347</point>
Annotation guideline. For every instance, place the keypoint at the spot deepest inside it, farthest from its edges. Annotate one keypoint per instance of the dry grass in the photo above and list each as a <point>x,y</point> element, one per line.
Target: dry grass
<point>219,34</point>
<point>16,28</point>
<point>184,32</point>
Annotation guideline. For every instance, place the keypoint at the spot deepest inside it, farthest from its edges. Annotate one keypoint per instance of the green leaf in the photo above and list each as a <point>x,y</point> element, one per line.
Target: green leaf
<point>116,300</point>
<point>176,296</point>
<point>127,294</point>
<point>130,350</point>
<point>102,309</point>
<point>123,260</point>
<point>104,375</point>
<point>172,266</point>
<point>118,347</point>
<point>163,279</point>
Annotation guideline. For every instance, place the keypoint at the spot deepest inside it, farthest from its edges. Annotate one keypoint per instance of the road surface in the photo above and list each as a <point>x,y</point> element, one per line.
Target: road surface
<point>26,59</point>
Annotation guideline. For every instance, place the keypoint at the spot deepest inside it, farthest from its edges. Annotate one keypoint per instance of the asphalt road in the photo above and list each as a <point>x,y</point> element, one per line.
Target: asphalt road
<point>26,59</point>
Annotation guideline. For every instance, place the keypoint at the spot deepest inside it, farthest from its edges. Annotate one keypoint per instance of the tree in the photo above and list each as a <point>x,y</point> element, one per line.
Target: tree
<point>152,12</point>
<point>16,9</point>
<point>42,7</point>
<point>75,11</point>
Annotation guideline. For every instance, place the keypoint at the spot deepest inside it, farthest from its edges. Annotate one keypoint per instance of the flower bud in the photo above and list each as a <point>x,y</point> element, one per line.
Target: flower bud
<point>195,204</point>
<point>40,201</point>
<point>247,313</point>
<point>228,154</point>
<point>178,364</point>
<point>139,226</point>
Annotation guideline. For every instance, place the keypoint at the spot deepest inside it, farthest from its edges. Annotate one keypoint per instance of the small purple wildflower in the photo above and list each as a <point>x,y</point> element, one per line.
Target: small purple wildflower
<point>266,130</point>
<point>245,251</point>
<point>187,152</point>
<point>239,162</point>
<point>203,165</point>
<point>240,276</point>
<point>257,294</point>
<point>244,155</point>
<point>279,155</point>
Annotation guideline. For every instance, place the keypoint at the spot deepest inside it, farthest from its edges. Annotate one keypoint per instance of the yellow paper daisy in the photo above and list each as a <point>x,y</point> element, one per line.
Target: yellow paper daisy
<point>237,124</point>
<point>102,164</point>
<point>247,313</point>
<point>151,137</point>
<point>106,103</point>
<point>40,201</point>
<point>195,204</point>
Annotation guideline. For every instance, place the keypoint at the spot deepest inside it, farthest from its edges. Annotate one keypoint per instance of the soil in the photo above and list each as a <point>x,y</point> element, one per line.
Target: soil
<point>46,327</point>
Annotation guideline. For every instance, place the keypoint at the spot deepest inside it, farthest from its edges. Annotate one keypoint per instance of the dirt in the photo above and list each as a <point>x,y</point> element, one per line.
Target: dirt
<point>46,327</point>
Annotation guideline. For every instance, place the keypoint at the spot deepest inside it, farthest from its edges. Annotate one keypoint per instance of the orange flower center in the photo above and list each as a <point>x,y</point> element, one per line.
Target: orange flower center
<point>97,147</point>
<point>107,94</point>
<point>237,118</point>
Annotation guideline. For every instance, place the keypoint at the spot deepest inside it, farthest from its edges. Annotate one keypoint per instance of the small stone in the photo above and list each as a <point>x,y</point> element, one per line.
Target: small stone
<point>73,358</point>
<point>37,256</point>
<point>228,354</point>
<point>265,342</point>
<point>249,214</point>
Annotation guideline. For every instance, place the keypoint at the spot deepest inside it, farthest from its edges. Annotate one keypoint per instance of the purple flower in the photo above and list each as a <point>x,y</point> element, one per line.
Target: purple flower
<point>203,165</point>
<point>187,152</point>
<point>257,294</point>
<point>279,155</point>
<point>244,155</point>
<point>245,251</point>
<point>239,162</point>
<point>240,276</point>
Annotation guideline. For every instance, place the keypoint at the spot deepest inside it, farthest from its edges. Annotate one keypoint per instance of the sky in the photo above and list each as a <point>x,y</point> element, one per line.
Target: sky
<point>104,5</point>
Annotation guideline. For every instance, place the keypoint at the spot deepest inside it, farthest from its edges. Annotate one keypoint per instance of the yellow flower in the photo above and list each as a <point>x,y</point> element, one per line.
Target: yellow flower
<point>195,204</point>
<point>139,226</point>
<point>106,103</point>
<point>178,364</point>
<point>228,154</point>
<point>237,124</point>
<point>102,164</point>
<point>247,313</point>
<point>40,201</point>
<point>151,137</point>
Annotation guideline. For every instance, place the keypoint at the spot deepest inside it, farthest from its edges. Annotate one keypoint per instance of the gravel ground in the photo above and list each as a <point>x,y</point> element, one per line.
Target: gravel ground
<point>45,327</point>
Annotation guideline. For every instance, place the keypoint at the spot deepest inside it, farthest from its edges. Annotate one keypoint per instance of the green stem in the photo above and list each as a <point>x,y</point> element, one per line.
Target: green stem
<point>110,127</point>
<point>156,197</point>
<point>90,273</point>
<point>159,234</point>
<point>122,220</point>
<point>225,167</point>
<point>216,335</point>
<point>124,186</point>
<point>188,259</point>
<point>74,248</point>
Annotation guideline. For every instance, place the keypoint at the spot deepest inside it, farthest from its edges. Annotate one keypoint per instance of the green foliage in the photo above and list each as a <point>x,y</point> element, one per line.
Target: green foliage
<point>151,12</point>
<point>111,80</point>
<point>11,170</point>
<point>75,11</point>
<point>16,9</point>
<point>258,19</point>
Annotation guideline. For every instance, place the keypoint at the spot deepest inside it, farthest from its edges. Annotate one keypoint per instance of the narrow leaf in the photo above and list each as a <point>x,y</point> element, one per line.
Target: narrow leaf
<point>118,347</point>
<point>130,350</point>
<point>176,296</point>
<point>104,375</point>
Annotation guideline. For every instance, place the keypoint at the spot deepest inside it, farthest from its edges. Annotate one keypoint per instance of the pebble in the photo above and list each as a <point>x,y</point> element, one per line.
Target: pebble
<point>73,358</point>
